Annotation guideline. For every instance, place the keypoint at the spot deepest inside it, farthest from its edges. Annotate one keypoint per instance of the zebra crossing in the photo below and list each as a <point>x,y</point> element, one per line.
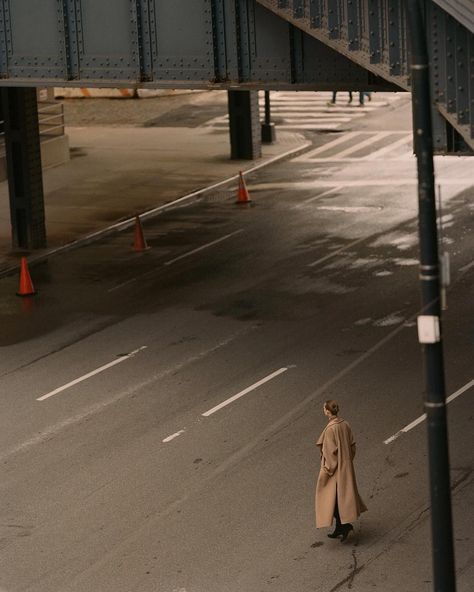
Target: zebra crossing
<point>313,111</point>
<point>363,146</point>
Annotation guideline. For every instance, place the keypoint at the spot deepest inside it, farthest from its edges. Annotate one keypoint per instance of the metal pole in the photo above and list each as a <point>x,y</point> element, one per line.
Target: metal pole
<point>429,322</point>
<point>267,107</point>
<point>268,128</point>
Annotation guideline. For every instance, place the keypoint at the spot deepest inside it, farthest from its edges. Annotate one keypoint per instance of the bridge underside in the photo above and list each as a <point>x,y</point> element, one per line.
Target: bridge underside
<point>247,44</point>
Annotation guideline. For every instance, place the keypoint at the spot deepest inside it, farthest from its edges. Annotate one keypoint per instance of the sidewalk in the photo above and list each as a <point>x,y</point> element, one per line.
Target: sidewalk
<point>116,172</point>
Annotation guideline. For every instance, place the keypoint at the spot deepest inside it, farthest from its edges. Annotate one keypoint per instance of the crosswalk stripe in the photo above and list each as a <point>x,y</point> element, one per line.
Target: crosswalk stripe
<point>310,127</point>
<point>314,115</point>
<point>387,149</point>
<point>297,117</point>
<point>340,140</point>
<point>324,104</point>
<point>367,142</point>
<point>310,111</point>
<point>329,152</point>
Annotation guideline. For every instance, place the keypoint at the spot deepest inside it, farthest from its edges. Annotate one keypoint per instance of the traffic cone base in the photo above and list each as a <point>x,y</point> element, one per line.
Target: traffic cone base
<point>139,242</point>
<point>243,196</point>
<point>26,285</point>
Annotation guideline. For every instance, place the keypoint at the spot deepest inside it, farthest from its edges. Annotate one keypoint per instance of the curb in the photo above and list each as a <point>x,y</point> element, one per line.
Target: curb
<point>187,199</point>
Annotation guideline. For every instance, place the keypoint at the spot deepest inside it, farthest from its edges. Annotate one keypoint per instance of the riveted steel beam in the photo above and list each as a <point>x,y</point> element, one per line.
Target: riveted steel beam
<point>334,19</point>
<point>247,40</point>
<point>394,37</point>
<point>471,85</point>
<point>299,9</point>
<point>451,92</point>
<point>297,54</point>
<point>350,27</point>
<point>462,74</point>
<point>316,13</point>
<point>353,25</point>
<point>375,37</point>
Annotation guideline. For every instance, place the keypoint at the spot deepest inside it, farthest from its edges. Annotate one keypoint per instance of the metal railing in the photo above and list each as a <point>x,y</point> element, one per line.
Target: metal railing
<point>50,119</point>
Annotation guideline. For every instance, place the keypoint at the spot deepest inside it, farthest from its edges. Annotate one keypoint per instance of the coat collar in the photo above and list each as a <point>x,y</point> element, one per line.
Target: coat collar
<point>329,424</point>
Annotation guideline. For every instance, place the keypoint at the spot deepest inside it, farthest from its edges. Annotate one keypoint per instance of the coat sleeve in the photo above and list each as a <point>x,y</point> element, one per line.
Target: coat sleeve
<point>329,453</point>
<point>353,450</point>
<point>353,444</point>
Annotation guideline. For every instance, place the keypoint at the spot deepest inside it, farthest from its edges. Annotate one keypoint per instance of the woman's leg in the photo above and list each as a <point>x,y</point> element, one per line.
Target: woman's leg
<point>338,530</point>
<point>336,515</point>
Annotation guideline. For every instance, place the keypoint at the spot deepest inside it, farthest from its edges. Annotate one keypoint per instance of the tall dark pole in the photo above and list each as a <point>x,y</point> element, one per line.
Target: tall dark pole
<point>268,128</point>
<point>267,107</point>
<point>429,322</point>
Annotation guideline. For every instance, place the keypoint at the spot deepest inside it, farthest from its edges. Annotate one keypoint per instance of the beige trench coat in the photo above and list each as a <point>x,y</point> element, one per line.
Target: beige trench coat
<point>337,476</point>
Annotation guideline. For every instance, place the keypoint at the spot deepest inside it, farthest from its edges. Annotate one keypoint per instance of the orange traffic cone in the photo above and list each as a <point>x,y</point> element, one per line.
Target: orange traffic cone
<point>26,285</point>
<point>139,243</point>
<point>243,196</point>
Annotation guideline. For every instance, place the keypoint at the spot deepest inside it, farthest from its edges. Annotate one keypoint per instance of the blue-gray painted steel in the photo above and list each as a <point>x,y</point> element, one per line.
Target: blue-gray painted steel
<point>354,24</point>
<point>394,38</point>
<point>375,41</point>
<point>461,10</point>
<point>319,44</point>
<point>373,34</point>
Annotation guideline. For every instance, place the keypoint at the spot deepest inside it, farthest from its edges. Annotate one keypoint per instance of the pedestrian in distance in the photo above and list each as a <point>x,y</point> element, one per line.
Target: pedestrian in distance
<point>334,95</point>
<point>362,96</point>
<point>337,496</point>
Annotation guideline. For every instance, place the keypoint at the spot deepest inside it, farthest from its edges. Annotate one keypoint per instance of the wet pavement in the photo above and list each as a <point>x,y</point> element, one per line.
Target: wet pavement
<point>119,168</point>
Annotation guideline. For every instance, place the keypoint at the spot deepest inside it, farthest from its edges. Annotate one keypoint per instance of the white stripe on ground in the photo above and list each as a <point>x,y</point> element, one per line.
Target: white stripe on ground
<point>466,267</point>
<point>173,436</point>
<point>367,142</point>
<point>340,140</point>
<point>309,126</point>
<point>51,431</point>
<point>93,373</point>
<point>322,108</point>
<point>313,113</point>
<point>313,117</point>
<point>337,251</point>
<point>244,392</point>
<point>335,159</point>
<point>154,270</point>
<point>332,125</point>
<point>323,194</point>
<point>387,149</point>
<point>300,185</point>
<point>206,246</point>
<point>422,418</point>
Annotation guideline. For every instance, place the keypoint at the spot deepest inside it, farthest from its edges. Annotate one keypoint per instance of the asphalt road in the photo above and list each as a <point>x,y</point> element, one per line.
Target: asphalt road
<point>134,478</point>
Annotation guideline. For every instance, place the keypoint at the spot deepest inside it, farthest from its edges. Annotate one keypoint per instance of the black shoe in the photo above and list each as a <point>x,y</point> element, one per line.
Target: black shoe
<point>346,530</point>
<point>336,533</point>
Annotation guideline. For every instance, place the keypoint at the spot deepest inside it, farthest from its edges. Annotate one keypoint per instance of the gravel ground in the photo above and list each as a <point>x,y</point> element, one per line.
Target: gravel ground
<point>138,112</point>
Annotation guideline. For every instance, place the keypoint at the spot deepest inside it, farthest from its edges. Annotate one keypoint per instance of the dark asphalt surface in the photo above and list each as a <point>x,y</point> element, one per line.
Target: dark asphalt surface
<point>322,288</point>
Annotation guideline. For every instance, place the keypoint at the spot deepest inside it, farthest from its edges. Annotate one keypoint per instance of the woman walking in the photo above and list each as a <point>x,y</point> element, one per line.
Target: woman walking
<point>336,490</point>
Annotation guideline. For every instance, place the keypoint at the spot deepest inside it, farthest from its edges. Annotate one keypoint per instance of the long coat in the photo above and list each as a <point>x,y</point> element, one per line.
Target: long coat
<point>337,476</point>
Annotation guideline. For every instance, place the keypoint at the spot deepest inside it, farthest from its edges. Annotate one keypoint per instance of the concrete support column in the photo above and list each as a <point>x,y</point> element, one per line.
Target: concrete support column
<point>244,125</point>
<point>25,176</point>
